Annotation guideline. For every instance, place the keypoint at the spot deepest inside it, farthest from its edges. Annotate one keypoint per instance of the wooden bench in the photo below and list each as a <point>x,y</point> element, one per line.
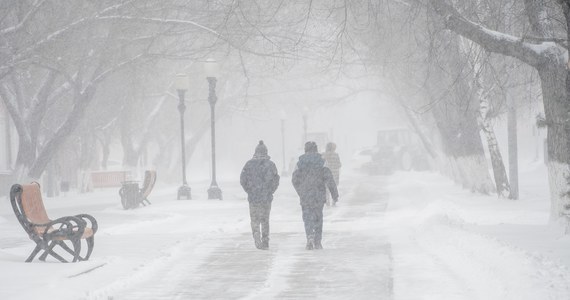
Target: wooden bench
<point>132,196</point>
<point>65,232</point>
<point>103,179</point>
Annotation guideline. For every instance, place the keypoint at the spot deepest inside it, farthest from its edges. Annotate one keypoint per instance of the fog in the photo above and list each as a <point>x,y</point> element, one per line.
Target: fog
<point>352,125</point>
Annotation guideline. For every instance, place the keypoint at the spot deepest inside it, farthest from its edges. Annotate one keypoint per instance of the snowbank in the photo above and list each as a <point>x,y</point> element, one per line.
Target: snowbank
<point>451,244</point>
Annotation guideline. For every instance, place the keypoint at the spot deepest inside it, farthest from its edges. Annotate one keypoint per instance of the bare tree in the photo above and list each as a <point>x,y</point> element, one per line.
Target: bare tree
<point>544,53</point>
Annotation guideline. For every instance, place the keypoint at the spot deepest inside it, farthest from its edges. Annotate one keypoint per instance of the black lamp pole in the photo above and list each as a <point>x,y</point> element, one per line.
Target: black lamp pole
<point>284,168</point>
<point>214,192</point>
<point>184,191</point>
<point>305,127</point>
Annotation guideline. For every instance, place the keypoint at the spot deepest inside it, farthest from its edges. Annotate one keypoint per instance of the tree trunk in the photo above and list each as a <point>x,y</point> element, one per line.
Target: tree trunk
<point>8,132</point>
<point>53,144</point>
<point>456,111</point>
<point>24,158</point>
<point>473,54</point>
<point>428,145</point>
<point>513,151</point>
<point>130,151</point>
<point>553,82</point>
<point>463,147</point>
<point>499,172</point>
<point>106,149</point>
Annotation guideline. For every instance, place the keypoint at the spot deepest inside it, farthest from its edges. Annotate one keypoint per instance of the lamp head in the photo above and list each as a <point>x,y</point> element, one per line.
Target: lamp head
<point>181,82</point>
<point>211,68</point>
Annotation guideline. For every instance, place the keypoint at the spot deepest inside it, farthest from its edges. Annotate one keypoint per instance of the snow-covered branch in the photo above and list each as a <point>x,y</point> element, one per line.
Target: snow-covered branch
<point>491,40</point>
<point>148,20</point>
<point>105,73</point>
<point>25,19</point>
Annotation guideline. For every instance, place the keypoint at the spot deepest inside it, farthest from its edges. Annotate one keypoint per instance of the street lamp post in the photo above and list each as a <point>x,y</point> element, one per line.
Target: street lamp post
<point>181,84</point>
<point>305,118</point>
<point>211,69</point>
<point>283,118</point>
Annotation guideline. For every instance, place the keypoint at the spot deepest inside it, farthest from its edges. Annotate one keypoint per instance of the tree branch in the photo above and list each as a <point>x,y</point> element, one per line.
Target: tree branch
<point>28,16</point>
<point>490,40</point>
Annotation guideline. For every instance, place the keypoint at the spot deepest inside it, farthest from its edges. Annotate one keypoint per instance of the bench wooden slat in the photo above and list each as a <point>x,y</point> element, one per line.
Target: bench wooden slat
<point>33,204</point>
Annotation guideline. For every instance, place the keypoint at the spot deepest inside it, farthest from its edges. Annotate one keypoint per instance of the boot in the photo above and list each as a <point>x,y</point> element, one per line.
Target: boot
<point>257,240</point>
<point>310,244</point>
<point>264,244</point>
<point>318,245</point>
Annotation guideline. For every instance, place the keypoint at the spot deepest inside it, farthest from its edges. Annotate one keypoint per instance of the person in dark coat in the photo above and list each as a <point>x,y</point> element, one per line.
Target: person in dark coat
<point>311,179</point>
<point>260,179</point>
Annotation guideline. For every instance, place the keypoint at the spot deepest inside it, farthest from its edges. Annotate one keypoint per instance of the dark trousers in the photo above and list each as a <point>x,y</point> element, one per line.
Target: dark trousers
<point>313,219</point>
<point>259,215</point>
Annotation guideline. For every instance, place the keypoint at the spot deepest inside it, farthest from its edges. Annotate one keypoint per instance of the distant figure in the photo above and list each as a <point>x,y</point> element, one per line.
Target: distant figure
<point>332,161</point>
<point>259,179</point>
<point>311,179</point>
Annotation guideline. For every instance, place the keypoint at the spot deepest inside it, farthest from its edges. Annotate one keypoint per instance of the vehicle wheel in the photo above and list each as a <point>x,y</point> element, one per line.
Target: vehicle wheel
<point>406,161</point>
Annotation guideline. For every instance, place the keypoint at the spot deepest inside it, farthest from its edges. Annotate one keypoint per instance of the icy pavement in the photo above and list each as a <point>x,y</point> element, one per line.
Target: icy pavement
<point>355,263</point>
<point>202,249</point>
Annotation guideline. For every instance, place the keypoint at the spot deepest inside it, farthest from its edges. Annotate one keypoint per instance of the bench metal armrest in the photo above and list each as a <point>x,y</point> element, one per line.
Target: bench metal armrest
<point>64,226</point>
<point>91,219</point>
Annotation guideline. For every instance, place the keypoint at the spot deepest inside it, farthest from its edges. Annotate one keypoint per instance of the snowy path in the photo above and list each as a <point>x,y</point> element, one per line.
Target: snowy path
<point>354,264</point>
<point>407,236</point>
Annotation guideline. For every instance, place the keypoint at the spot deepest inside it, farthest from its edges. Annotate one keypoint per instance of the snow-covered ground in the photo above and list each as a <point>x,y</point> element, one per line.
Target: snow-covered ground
<point>451,244</point>
<point>407,236</point>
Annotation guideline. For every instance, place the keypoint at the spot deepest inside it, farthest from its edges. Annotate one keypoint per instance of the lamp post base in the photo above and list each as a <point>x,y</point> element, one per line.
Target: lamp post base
<point>184,192</point>
<point>214,192</point>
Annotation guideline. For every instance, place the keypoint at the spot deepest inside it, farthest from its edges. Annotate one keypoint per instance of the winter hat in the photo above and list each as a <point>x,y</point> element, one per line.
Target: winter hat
<point>331,147</point>
<point>311,147</point>
<point>261,149</point>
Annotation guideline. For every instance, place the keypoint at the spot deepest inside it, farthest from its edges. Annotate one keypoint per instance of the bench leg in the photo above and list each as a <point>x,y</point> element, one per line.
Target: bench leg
<point>46,252</point>
<point>74,252</point>
<point>34,253</point>
<point>77,246</point>
<point>90,244</point>
<point>57,256</point>
<point>49,251</point>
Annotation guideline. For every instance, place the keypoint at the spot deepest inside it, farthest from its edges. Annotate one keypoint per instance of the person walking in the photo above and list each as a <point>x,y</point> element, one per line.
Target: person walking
<point>311,179</point>
<point>332,161</point>
<point>260,179</point>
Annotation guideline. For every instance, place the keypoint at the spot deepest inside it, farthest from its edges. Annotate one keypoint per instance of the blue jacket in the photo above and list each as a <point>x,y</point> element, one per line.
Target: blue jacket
<point>311,179</point>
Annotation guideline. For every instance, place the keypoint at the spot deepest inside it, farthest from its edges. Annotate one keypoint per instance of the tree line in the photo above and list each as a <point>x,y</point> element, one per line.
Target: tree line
<point>80,74</point>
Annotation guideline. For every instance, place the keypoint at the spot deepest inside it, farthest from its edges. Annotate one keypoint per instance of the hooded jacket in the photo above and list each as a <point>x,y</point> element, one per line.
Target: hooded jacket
<point>311,179</point>
<point>259,177</point>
